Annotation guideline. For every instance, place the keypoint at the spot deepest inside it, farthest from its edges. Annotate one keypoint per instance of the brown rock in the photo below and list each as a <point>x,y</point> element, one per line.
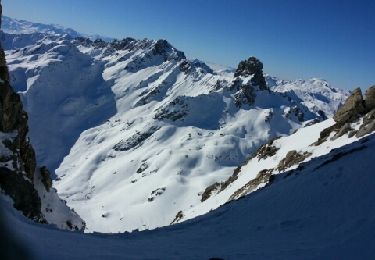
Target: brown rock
<point>292,158</point>
<point>353,108</point>
<point>370,98</point>
<point>264,176</point>
<point>368,125</point>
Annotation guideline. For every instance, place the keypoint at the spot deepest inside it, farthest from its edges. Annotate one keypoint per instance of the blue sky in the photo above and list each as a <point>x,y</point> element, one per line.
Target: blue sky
<point>330,39</point>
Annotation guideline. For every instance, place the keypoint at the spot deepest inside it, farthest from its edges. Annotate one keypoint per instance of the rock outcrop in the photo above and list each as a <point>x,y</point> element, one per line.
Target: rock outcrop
<point>370,98</point>
<point>353,108</point>
<point>252,67</point>
<point>13,123</point>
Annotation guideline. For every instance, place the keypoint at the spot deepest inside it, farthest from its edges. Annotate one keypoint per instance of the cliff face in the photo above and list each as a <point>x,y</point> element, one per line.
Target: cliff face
<point>17,158</point>
<point>28,186</point>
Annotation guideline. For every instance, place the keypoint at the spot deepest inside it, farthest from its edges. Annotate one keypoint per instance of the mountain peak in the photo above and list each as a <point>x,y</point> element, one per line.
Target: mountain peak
<point>252,67</point>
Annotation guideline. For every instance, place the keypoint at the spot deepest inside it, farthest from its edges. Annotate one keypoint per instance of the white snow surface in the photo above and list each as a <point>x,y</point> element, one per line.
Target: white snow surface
<point>324,211</point>
<point>316,94</point>
<point>302,141</point>
<point>136,133</point>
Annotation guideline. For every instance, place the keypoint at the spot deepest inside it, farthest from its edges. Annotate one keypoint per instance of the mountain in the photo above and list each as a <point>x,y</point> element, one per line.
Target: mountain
<point>23,27</point>
<point>15,26</point>
<point>142,137</point>
<point>137,131</point>
<point>322,210</point>
<point>27,185</point>
<point>316,94</point>
<point>351,123</point>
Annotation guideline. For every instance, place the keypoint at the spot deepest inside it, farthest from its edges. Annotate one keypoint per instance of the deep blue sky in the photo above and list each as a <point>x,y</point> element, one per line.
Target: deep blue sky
<point>330,39</point>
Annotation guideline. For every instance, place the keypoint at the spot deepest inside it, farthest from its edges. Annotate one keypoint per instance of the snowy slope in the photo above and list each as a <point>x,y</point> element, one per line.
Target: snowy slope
<point>281,155</point>
<point>322,211</point>
<point>175,132</point>
<point>137,131</point>
<point>63,92</point>
<point>316,94</point>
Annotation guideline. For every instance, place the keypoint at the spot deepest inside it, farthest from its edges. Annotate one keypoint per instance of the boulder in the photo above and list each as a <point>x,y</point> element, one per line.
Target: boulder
<point>368,125</point>
<point>352,109</point>
<point>370,98</point>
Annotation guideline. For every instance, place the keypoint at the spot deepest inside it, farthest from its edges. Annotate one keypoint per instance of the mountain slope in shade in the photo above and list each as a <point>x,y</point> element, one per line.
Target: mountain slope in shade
<point>325,209</point>
<point>28,186</point>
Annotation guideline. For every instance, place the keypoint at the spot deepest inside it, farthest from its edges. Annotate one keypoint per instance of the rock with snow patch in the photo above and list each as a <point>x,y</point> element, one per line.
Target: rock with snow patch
<point>352,109</point>
<point>252,67</point>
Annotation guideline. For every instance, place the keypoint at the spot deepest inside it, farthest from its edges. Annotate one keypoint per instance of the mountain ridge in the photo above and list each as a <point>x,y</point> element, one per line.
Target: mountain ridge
<point>173,127</point>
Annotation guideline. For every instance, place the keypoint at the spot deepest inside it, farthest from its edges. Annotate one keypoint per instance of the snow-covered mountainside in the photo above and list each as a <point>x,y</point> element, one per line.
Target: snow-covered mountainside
<point>323,210</point>
<point>351,123</point>
<point>28,186</point>
<point>136,131</point>
<point>316,94</point>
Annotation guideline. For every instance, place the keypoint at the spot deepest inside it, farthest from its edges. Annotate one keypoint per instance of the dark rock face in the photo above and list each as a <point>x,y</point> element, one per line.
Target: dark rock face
<point>163,48</point>
<point>370,98</point>
<point>252,66</point>
<point>17,181</point>
<point>24,196</point>
<point>46,178</point>
<point>353,108</point>
<point>245,93</point>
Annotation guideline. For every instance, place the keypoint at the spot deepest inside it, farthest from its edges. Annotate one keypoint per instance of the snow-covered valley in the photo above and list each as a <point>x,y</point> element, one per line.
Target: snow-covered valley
<point>137,131</point>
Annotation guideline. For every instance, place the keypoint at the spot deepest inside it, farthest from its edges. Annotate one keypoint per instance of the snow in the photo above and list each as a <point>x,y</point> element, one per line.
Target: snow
<point>127,122</point>
<point>323,211</point>
<point>316,94</point>
<point>301,141</point>
<point>72,104</point>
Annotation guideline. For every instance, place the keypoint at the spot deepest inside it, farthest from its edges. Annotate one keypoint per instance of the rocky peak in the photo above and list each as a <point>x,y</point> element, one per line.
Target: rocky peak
<point>122,44</point>
<point>165,49</point>
<point>252,67</point>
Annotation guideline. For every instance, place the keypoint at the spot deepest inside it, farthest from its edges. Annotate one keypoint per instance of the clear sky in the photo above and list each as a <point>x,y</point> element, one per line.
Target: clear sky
<point>330,39</point>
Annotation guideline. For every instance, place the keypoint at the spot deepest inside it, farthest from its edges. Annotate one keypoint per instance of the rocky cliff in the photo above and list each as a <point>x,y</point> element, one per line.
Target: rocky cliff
<point>27,185</point>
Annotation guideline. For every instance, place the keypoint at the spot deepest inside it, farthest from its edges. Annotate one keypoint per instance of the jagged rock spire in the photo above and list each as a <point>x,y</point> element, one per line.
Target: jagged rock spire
<point>252,67</point>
